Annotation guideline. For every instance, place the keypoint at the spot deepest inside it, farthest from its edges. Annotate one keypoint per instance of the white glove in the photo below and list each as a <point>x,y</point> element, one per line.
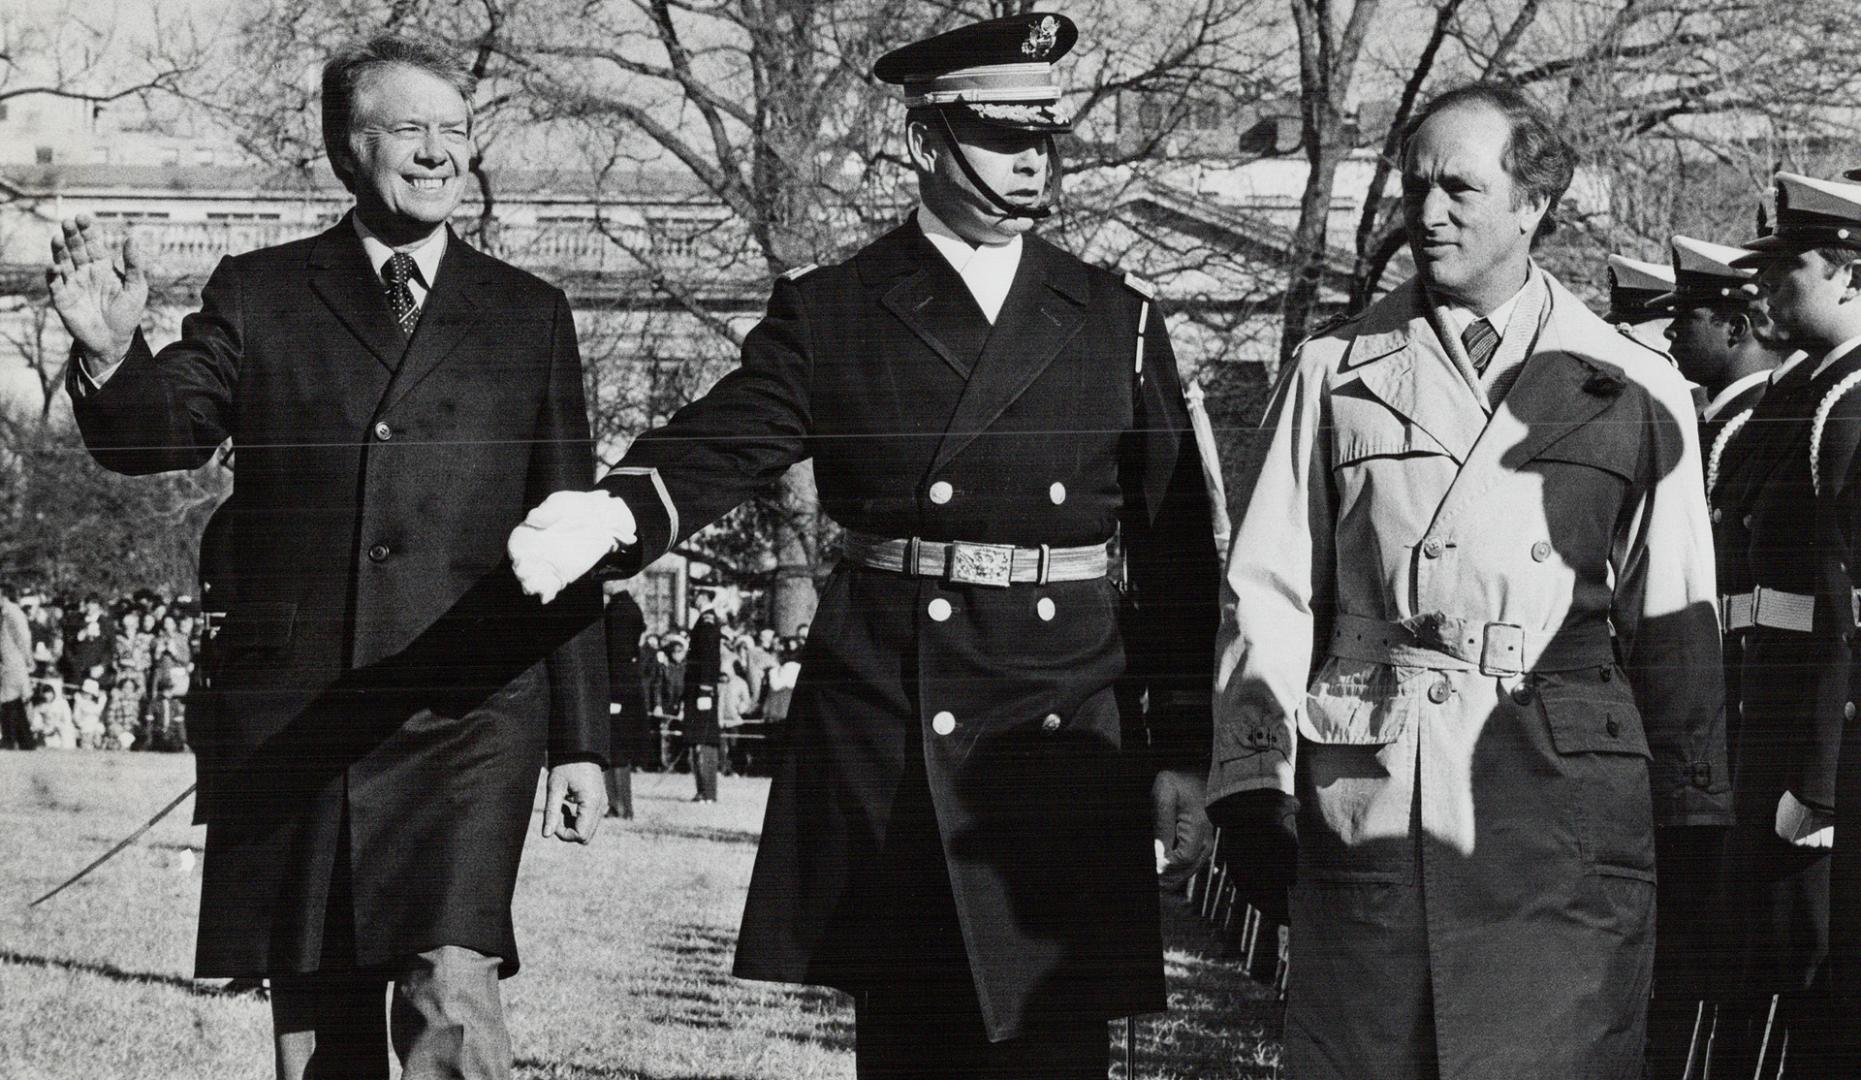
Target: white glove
<point>564,538</point>
<point>1803,826</point>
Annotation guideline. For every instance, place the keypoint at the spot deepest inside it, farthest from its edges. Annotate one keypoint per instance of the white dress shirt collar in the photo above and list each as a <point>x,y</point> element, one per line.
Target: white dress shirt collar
<point>988,270</point>
<point>1717,404</point>
<point>1835,354</point>
<point>1459,318</point>
<point>427,254</point>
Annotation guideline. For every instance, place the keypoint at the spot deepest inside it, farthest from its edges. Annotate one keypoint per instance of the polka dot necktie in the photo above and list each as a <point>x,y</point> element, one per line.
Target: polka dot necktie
<point>1481,342</point>
<point>398,271</point>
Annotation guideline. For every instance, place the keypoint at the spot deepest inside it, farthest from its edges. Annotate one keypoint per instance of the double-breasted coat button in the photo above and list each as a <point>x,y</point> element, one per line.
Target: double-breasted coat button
<point>1718,514</point>
<point>1057,493</point>
<point>1044,607</point>
<point>1612,728</point>
<point>1541,551</point>
<point>1439,692</point>
<point>1431,547</point>
<point>1521,694</point>
<point>943,723</point>
<point>1848,710</point>
<point>383,431</point>
<point>1051,723</point>
<point>378,553</point>
<point>941,491</point>
<point>1746,521</point>
<point>939,609</point>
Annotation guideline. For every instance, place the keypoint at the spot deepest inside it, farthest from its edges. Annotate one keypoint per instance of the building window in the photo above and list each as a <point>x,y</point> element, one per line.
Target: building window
<point>2,112</point>
<point>42,154</point>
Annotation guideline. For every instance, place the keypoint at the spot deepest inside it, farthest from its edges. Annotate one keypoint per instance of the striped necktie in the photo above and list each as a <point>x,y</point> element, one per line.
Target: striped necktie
<point>397,272</point>
<point>1481,342</point>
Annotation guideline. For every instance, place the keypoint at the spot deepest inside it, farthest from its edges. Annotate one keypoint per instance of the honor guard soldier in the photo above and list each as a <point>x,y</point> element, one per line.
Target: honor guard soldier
<point>1722,342</point>
<point>1843,484</point>
<point>1634,288</point>
<point>1800,621</point>
<point>959,832</point>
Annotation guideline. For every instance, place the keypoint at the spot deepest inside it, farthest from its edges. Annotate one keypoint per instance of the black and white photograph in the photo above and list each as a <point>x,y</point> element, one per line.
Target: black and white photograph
<point>930,539</point>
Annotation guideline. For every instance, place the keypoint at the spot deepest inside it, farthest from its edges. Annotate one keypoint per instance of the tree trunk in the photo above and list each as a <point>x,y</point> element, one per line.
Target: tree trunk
<point>794,597</point>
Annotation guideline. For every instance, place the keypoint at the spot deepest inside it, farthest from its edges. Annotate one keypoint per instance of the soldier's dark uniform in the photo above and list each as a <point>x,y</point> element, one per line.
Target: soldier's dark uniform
<point>1690,950</point>
<point>1841,506</point>
<point>1797,622</point>
<point>956,832</point>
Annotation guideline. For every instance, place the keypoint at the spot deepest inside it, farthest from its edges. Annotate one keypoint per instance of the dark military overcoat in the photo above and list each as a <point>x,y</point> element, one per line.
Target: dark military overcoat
<point>1793,688</point>
<point>923,420</point>
<point>379,665</point>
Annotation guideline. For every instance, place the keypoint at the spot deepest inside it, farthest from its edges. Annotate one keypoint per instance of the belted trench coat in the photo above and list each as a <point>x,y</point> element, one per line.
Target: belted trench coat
<point>1475,885</point>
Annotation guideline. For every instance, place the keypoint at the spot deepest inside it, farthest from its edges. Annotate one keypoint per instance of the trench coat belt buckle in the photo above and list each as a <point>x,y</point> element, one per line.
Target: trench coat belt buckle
<point>1449,643</point>
<point>964,563</point>
<point>1773,609</point>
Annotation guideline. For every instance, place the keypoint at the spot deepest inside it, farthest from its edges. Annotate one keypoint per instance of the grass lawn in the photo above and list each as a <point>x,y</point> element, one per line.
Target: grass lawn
<point>626,947</point>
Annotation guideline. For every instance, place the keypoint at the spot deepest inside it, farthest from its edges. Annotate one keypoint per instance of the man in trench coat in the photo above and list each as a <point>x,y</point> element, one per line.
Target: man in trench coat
<point>958,830</point>
<point>1470,624</point>
<point>382,694</point>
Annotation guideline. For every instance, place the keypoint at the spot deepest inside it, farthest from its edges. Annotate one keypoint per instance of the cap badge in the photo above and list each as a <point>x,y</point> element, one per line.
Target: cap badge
<point>1041,38</point>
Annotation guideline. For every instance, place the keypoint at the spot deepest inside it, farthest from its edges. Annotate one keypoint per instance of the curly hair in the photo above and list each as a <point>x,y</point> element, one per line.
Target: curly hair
<point>1537,157</point>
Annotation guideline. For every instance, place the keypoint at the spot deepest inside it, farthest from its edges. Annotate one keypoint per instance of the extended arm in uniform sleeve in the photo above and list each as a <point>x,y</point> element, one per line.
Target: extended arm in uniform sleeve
<point>1277,595</point>
<point>1667,622</point>
<point>562,459</point>
<point>1173,566</point>
<point>171,410</point>
<point>724,447</point>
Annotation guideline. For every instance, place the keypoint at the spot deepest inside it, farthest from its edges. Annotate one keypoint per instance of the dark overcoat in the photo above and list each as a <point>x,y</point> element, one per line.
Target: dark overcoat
<point>626,681</point>
<point>924,420</point>
<point>1839,523</point>
<point>380,673</point>
<point>703,678</point>
<point>1793,688</point>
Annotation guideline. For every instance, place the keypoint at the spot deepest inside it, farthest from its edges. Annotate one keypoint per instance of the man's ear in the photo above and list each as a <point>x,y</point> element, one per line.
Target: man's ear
<point>922,146</point>
<point>1737,328</point>
<point>1531,212</point>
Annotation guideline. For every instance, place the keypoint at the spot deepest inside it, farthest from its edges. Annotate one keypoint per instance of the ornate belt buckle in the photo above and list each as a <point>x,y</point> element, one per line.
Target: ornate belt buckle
<point>981,564</point>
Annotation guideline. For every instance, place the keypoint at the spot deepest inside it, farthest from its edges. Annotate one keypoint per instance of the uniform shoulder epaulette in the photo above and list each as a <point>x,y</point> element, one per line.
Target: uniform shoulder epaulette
<point>1139,286</point>
<point>796,273</point>
<point>1342,318</point>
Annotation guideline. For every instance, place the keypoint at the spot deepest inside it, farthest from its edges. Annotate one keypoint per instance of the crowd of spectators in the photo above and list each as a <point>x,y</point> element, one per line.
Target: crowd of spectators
<point>80,673</point>
<point>758,669</point>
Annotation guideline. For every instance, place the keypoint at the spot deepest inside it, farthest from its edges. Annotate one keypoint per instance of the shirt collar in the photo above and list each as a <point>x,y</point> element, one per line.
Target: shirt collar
<point>1835,354</point>
<point>427,253</point>
<point>960,252</point>
<point>1459,317</point>
<point>1726,396</point>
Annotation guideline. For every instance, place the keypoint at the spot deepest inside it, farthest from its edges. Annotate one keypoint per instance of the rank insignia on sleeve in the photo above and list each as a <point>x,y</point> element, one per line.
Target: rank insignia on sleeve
<point>796,273</point>
<point>1139,286</point>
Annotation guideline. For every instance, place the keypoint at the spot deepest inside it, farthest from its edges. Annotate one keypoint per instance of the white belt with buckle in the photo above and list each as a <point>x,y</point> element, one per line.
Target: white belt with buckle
<point>1774,609</point>
<point>964,563</point>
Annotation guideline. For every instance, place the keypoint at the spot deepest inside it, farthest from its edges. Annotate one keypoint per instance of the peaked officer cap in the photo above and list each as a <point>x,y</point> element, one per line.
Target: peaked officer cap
<point>998,72</point>
<point>1706,275</point>
<point>1634,287</point>
<point>1810,213</point>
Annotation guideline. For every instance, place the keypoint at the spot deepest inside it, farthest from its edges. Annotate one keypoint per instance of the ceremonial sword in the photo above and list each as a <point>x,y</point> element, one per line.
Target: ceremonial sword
<point>121,844</point>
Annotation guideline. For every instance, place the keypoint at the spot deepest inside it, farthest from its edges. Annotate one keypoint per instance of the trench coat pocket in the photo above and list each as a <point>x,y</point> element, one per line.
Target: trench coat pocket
<point>1358,703</point>
<point>256,627</point>
<point>1597,733</point>
<point>1385,436</point>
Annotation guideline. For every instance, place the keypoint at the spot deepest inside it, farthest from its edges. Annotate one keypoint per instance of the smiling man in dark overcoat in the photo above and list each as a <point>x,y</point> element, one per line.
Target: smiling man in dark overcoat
<point>382,696</point>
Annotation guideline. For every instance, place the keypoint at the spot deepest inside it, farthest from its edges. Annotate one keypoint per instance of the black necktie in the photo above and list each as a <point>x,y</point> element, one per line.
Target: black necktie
<point>397,272</point>
<point>1481,342</point>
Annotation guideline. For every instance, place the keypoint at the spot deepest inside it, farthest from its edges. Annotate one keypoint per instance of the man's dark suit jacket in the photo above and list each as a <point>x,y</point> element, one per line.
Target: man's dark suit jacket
<point>381,696</point>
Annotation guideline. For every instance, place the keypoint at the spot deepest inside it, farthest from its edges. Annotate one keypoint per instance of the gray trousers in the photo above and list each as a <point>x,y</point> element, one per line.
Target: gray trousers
<point>441,1013</point>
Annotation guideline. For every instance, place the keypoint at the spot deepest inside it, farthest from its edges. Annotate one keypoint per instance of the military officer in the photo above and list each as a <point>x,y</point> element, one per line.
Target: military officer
<point>1845,870</point>
<point>1795,683</point>
<point>1720,342</point>
<point>1469,644</point>
<point>1634,288</point>
<point>958,832</point>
